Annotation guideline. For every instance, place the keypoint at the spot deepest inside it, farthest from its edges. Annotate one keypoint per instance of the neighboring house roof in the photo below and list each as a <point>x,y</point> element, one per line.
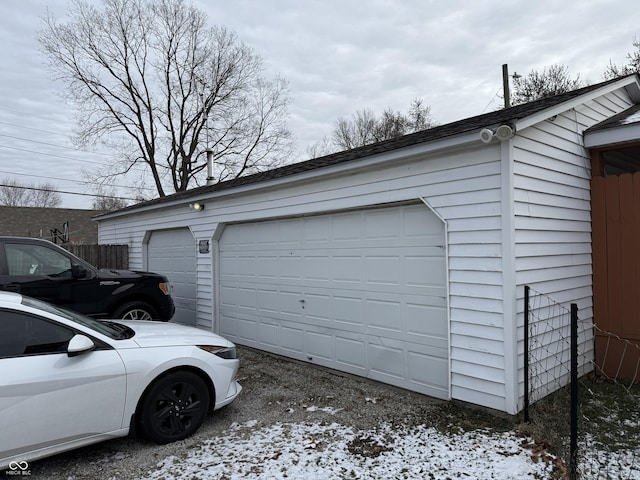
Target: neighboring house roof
<point>49,223</point>
<point>510,115</point>
<point>621,128</point>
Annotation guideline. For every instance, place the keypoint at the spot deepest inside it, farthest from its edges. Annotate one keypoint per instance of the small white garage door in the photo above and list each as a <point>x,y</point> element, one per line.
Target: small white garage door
<point>360,291</point>
<point>173,254</point>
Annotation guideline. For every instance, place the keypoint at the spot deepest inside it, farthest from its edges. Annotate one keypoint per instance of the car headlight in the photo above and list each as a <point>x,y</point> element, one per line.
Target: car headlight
<point>228,353</point>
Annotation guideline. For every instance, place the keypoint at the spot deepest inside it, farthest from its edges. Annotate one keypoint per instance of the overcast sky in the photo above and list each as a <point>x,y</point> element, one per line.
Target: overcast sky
<point>339,56</point>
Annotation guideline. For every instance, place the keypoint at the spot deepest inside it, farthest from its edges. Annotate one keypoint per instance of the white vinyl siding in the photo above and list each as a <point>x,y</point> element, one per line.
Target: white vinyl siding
<point>552,172</point>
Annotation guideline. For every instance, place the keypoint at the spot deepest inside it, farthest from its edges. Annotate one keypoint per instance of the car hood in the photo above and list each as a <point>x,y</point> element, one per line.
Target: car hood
<point>164,334</point>
<point>111,274</point>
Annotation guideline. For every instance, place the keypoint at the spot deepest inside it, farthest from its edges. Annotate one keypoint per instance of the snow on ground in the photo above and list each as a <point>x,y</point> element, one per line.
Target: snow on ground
<point>312,451</point>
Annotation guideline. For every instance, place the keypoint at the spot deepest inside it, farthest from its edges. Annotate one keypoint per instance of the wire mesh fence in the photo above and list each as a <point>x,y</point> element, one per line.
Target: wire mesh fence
<point>588,415</point>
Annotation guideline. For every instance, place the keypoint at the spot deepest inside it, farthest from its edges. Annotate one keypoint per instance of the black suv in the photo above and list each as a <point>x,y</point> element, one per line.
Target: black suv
<point>41,269</point>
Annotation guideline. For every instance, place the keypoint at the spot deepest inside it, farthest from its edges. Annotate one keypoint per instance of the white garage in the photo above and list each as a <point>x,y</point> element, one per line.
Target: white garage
<point>173,253</point>
<point>403,261</point>
<point>361,291</point>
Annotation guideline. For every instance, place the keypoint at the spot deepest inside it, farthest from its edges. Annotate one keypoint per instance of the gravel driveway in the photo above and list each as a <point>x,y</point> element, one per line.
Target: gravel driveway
<point>275,390</point>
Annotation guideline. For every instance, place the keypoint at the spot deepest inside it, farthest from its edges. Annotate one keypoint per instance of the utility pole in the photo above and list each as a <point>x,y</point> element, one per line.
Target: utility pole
<point>505,86</point>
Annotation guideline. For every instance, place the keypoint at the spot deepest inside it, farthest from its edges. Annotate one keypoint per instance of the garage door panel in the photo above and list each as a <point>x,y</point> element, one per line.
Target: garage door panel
<point>289,268</point>
<point>268,300</point>
<point>351,353</point>
<point>247,329</point>
<point>363,292</point>
<point>426,320</point>
<point>436,379</point>
<point>172,253</point>
<point>415,266</point>
<point>384,315</point>
<point>269,334</point>
<point>320,345</point>
<point>387,361</point>
<point>382,224</point>
<point>292,339</point>
<point>317,231</point>
<point>346,226</point>
<point>382,269</point>
<point>346,268</point>
<point>348,310</point>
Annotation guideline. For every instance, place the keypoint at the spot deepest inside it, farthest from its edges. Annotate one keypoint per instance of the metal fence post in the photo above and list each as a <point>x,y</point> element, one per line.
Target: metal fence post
<point>526,353</point>
<point>573,460</point>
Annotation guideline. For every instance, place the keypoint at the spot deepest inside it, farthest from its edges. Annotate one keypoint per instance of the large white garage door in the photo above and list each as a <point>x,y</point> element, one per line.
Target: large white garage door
<point>359,291</point>
<point>173,254</point>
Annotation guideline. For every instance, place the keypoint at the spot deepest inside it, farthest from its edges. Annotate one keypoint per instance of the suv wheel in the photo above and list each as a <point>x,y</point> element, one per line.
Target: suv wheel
<point>136,311</point>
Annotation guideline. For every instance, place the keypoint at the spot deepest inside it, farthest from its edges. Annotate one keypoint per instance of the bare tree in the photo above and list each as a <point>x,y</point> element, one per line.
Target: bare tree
<point>354,132</point>
<point>15,194</point>
<point>551,81</point>
<point>152,80</point>
<point>632,66</point>
<point>364,127</point>
<point>108,200</point>
<point>320,148</point>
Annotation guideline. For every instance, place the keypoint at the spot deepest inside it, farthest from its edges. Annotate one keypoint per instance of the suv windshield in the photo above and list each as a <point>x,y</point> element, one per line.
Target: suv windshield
<point>110,329</point>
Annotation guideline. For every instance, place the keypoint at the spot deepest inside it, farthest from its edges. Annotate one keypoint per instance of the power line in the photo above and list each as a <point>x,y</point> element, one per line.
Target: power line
<point>94,195</point>
<point>49,154</point>
<point>81,182</point>
<point>30,115</point>
<point>53,144</point>
<point>34,129</point>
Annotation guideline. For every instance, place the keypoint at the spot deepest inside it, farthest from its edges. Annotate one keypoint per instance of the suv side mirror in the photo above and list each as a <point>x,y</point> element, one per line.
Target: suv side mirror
<point>78,271</point>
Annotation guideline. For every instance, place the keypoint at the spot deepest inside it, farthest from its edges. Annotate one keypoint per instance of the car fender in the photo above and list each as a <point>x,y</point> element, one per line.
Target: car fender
<point>141,373</point>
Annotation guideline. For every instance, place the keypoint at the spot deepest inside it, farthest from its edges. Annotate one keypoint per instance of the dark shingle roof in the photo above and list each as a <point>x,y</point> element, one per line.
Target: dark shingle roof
<point>450,129</point>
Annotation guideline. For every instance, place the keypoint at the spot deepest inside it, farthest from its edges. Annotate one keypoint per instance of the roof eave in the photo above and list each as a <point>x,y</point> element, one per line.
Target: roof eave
<point>405,153</point>
<point>612,136</point>
<point>631,84</point>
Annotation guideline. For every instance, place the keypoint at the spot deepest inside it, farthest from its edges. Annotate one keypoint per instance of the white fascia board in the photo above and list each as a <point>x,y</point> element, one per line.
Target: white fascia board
<point>405,153</point>
<point>629,83</point>
<point>612,136</point>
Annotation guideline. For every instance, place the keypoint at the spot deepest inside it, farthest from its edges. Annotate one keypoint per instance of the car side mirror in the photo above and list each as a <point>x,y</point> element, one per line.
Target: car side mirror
<point>79,344</point>
<point>78,271</point>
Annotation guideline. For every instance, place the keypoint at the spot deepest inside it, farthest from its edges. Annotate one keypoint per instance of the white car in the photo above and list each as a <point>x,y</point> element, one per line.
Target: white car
<point>67,380</point>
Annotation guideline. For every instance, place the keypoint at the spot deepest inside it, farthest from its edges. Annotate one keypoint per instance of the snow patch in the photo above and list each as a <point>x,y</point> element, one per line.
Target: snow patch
<point>313,451</point>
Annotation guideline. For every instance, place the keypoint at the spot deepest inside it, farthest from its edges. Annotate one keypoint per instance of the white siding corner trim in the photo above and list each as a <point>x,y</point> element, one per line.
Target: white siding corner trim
<point>509,281</point>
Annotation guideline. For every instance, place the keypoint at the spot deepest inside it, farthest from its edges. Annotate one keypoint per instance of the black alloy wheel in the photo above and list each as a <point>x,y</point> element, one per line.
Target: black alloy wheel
<point>174,407</point>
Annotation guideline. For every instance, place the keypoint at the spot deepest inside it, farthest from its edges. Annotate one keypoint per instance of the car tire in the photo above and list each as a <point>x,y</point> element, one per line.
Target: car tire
<point>174,407</point>
<point>136,311</point>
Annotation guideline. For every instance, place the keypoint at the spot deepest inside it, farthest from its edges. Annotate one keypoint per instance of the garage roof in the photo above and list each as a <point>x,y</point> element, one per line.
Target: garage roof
<point>512,115</point>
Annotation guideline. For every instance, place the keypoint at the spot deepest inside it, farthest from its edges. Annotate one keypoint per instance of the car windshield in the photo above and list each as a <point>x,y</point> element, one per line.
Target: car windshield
<point>110,329</point>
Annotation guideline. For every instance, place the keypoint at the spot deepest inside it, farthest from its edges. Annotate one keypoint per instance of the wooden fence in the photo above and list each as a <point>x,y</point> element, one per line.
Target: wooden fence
<point>615,207</point>
<point>102,256</point>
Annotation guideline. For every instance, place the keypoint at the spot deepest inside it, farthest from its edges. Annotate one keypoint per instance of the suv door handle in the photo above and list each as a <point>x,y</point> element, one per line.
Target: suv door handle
<point>12,287</point>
